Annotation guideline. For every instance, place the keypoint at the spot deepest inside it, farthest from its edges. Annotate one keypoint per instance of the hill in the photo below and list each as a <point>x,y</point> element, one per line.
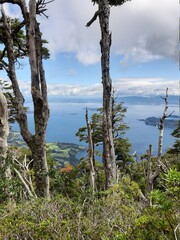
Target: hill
<point>61,153</point>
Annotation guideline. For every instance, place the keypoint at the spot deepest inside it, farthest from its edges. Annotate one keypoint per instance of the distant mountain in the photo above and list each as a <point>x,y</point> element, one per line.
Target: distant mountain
<point>126,99</point>
<point>149,100</point>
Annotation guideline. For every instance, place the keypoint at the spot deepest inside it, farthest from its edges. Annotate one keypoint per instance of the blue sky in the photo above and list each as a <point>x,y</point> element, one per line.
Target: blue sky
<point>144,53</point>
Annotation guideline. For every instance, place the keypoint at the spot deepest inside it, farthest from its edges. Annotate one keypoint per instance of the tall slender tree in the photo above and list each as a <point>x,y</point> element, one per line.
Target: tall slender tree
<point>4,128</point>
<point>90,153</point>
<point>151,177</point>
<point>122,145</point>
<point>34,50</point>
<point>109,159</point>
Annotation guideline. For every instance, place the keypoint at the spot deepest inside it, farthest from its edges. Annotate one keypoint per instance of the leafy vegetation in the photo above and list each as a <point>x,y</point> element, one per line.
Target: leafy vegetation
<point>121,212</point>
<point>124,211</point>
<point>118,213</point>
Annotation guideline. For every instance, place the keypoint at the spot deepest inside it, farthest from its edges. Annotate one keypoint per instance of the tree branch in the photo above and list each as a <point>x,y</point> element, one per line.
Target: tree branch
<point>41,7</point>
<point>18,28</point>
<point>24,183</point>
<point>18,2</point>
<point>97,13</point>
<point>175,230</point>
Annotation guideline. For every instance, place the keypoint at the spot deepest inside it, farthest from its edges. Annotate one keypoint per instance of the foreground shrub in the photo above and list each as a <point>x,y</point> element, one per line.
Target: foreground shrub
<point>116,214</point>
<point>110,216</point>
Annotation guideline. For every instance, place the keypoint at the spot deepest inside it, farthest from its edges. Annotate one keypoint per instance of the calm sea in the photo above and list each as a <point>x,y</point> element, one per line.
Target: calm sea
<point>68,115</point>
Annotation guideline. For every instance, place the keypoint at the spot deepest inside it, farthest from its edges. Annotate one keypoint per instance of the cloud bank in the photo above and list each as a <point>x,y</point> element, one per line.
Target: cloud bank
<point>123,87</point>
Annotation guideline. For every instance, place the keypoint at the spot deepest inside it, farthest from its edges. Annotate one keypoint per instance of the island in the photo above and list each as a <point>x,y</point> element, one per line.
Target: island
<point>170,122</point>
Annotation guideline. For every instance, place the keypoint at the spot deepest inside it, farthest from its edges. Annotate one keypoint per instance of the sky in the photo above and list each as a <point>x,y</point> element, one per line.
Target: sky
<point>144,52</point>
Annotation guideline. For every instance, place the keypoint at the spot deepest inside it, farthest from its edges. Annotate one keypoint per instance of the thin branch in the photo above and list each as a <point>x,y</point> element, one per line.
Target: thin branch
<point>24,183</point>
<point>19,27</point>
<point>18,2</point>
<point>19,163</point>
<point>97,13</point>
<point>169,114</point>
<point>41,7</point>
<point>175,231</point>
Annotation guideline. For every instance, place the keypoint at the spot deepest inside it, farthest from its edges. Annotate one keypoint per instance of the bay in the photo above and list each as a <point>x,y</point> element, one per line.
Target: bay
<point>67,115</point>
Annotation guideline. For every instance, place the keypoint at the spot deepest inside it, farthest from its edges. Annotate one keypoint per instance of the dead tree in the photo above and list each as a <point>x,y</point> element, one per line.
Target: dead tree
<point>24,173</point>
<point>109,159</point>
<point>90,153</point>
<point>36,141</point>
<point>151,177</point>
<point>161,124</point>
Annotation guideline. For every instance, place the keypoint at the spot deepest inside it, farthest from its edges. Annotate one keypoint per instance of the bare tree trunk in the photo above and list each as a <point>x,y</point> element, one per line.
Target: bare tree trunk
<point>37,141</point>
<point>39,95</point>
<point>161,125</point>
<point>108,143</point>
<point>90,153</point>
<point>4,132</point>
<point>149,180</point>
<point>4,128</point>
<point>151,177</point>
<point>109,159</point>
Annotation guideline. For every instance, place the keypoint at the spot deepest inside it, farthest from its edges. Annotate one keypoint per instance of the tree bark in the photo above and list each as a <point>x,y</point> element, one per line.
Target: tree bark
<point>161,125</point>
<point>39,95</point>
<point>151,177</point>
<point>90,153</point>
<point>4,128</point>
<point>4,132</point>
<point>108,143</point>
<point>109,159</point>
<point>37,141</point>
<point>149,180</point>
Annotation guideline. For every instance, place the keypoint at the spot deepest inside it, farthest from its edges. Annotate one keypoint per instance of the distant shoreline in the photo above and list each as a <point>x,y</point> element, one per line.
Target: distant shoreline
<point>61,153</point>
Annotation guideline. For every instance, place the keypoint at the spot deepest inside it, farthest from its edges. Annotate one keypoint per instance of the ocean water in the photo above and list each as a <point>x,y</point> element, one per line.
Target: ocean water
<point>67,115</point>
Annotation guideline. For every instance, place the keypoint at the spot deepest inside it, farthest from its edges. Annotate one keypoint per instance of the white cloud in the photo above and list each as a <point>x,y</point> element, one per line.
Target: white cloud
<point>124,86</point>
<point>74,90</point>
<point>88,57</point>
<point>142,30</point>
<point>146,86</point>
<point>25,87</point>
<point>146,30</point>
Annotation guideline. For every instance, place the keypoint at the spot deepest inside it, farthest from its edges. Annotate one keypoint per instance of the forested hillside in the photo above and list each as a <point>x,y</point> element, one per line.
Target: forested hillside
<point>45,192</point>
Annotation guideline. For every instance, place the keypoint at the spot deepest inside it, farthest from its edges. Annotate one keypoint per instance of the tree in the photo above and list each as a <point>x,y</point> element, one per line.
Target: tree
<point>109,159</point>
<point>13,49</point>
<point>6,89</point>
<point>90,153</point>
<point>4,128</point>
<point>122,145</point>
<point>4,132</point>
<point>151,177</point>
<point>176,147</point>
<point>96,131</point>
<point>161,124</point>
